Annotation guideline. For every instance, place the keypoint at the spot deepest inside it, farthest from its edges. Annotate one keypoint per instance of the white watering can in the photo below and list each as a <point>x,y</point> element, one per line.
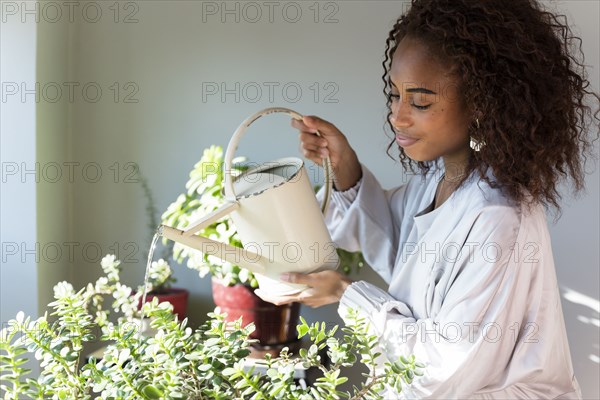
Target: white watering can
<point>276,214</point>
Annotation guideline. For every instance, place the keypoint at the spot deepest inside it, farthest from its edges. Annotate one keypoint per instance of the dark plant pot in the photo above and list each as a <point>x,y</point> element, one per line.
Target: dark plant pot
<point>177,297</point>
<point>275,325</point>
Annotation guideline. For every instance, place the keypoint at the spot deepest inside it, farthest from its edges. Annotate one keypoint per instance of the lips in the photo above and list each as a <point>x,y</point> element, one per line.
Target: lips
<point>405,141</point>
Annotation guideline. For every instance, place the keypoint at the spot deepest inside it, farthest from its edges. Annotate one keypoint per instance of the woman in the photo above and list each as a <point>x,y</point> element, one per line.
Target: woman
<point>487,107</point>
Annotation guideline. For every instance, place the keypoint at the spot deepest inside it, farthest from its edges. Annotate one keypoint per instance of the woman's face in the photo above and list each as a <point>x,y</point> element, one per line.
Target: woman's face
<point>428,114</point>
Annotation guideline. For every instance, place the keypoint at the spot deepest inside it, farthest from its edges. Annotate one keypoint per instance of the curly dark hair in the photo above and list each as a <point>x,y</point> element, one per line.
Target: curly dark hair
<point>515,67</point>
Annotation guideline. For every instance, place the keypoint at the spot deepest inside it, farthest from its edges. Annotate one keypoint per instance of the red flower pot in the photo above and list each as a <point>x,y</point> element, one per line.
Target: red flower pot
<point>275,325</point>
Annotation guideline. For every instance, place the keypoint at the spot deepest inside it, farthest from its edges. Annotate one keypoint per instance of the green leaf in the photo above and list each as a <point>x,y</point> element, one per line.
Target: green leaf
<point>151,392</point>
<point>19,350</point>
<point>242,353</point>
<point>123,356</point>
<point>302,330</point>
<point>204,367</point>
<point>212,342</point>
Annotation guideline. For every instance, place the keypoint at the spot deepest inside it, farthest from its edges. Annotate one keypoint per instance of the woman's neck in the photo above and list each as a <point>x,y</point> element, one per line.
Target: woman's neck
<point>455,166</point>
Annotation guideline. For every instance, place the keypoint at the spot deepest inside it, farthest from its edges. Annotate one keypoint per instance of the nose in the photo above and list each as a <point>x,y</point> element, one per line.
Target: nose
<point>401,117</point>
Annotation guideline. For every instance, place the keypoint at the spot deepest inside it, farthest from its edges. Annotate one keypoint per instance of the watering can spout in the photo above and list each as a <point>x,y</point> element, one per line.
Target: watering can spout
<point>253,262</point>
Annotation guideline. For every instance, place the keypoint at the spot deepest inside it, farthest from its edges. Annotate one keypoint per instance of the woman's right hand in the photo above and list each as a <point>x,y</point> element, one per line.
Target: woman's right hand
<point>346,167</point>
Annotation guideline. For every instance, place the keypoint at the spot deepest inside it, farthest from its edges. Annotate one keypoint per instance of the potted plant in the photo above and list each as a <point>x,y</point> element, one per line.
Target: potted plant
<point>176,362</point>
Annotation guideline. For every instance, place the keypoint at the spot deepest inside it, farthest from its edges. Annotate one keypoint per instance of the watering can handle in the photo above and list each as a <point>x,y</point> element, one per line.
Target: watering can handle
<point>235,140</point>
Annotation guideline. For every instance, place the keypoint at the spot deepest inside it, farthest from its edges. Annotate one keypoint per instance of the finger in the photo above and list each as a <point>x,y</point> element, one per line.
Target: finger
<point>328,275</point>
<point>314,151</point>
<point>311,148</point>
<point>310,139</point>
<point>316,157</point>
<point>301,126</point>
<point>314,122</point>
<point>309,297</point>
<point>292,277</point>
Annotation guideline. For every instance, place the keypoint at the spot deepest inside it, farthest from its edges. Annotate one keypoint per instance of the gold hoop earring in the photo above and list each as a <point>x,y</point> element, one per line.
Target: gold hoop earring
<point>477,122</point>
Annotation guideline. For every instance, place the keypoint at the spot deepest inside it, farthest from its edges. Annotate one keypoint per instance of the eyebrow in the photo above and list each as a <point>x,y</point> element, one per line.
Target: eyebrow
<point>420,90</point>
<point>417,90</point>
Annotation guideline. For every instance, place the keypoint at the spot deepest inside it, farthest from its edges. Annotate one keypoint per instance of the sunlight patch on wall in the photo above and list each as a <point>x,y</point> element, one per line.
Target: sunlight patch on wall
<point>591,321</point>
<point>580,298</point>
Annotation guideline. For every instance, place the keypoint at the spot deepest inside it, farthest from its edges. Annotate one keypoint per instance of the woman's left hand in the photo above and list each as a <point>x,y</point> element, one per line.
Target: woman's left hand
<point>325,287</point>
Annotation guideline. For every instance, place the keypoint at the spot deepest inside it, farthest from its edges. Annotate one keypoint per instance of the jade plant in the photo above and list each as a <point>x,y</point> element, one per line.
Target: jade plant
<point>177,362</point>
<point>204,194</point>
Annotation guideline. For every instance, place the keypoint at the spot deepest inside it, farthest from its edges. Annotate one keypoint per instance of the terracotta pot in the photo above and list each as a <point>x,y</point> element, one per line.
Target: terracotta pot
<point>275,325</point>
<point>177,297</point>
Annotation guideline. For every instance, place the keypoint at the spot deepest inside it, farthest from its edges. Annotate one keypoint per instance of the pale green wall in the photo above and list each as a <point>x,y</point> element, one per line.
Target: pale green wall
<point>54,191</point>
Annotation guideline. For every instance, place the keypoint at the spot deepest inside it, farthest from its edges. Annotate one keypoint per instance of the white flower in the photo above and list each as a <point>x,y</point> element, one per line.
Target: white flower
<point>121,291</point>
<point>109,261</point>
<point>101,318</point>
<point>124,300</point>
<point>101,283</point>
<point>110,265</point>
<point>63,289</point>
<point>160,272</point>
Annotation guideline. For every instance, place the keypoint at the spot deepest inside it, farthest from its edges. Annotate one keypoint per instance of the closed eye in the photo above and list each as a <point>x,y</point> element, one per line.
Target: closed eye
<point>395,97</point>
<point>420,107</point>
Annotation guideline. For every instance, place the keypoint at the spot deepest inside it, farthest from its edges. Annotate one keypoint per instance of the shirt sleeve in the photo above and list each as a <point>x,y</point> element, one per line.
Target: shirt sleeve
<point>364,218</point>
<point>468,342</point>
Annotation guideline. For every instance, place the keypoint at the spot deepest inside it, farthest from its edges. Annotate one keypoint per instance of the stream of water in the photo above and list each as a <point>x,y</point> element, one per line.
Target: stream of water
<point>157,235</point>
